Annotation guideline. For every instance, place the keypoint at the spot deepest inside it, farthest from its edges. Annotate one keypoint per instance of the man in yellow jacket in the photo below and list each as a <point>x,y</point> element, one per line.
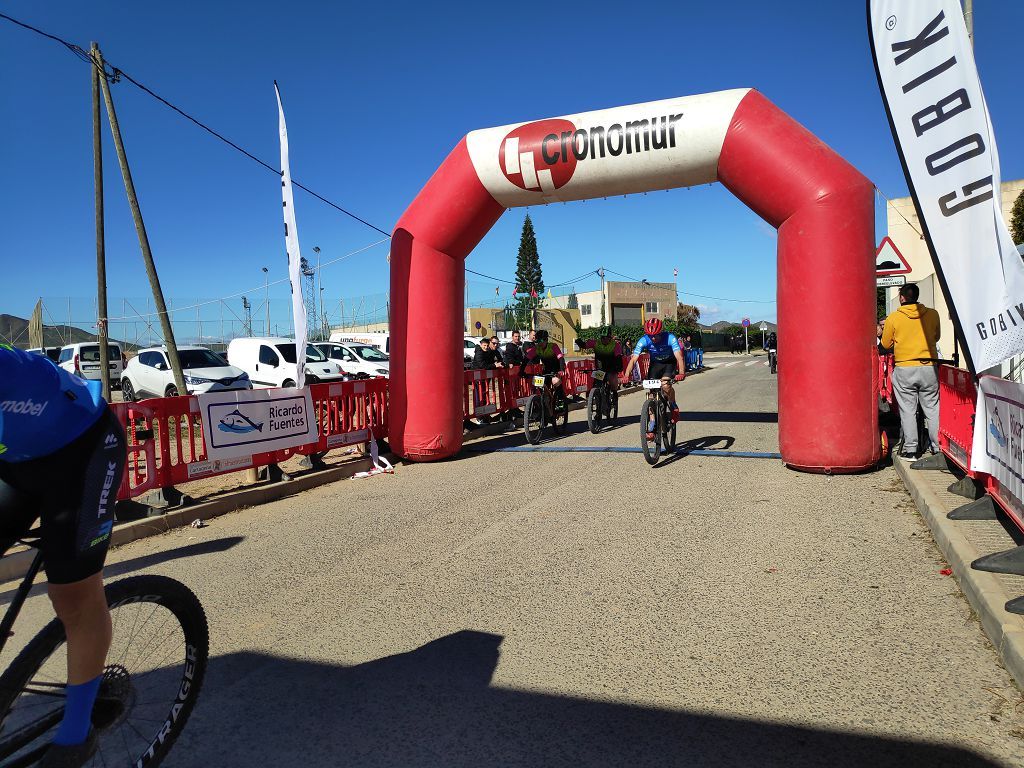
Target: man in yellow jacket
<point>912,332</point>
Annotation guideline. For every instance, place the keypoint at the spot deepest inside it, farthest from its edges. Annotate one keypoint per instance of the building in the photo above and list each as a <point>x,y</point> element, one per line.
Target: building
<point>904,231</point>
<point>627,303</point>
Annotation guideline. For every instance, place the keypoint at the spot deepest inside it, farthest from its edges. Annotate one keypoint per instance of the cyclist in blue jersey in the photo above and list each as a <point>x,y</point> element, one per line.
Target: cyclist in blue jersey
<point>666,360</point>
<point>62,455</point>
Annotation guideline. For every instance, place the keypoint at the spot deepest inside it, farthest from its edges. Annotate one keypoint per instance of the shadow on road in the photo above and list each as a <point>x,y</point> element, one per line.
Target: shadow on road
<point>113,570</point>
<point>730,416</point>
<point>434,706</point>
<point>707,443</point>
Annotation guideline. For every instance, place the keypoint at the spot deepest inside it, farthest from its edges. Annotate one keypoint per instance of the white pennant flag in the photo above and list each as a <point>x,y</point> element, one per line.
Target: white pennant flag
<point>941,127</point>
<point>291,242</point>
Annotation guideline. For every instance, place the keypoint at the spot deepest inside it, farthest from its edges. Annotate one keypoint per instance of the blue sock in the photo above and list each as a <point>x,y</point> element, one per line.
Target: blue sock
<point>74,728</point>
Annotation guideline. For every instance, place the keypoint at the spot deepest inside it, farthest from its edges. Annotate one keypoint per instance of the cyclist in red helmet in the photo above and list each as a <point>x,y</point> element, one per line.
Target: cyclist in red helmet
<point>666,360</point>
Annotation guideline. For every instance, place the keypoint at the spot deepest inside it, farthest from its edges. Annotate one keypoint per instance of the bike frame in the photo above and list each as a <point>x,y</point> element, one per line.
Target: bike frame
<point>20,596</point>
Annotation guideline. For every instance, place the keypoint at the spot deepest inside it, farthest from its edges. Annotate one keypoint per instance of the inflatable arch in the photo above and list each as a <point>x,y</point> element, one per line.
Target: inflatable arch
<point>821,206</point>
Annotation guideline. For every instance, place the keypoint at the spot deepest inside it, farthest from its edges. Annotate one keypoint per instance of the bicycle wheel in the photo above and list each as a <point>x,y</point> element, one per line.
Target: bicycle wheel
<point>560,412</point>
<point>613,404</point>
<point>668,427</point>
<point>652,447</point>
<point>154,671</point>
<point>595,409</point>
<point>533,419</point>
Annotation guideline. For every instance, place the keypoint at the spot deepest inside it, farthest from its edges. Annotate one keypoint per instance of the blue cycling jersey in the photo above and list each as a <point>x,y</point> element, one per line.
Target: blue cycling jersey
<point>42,407</point>
<point>661,351</point>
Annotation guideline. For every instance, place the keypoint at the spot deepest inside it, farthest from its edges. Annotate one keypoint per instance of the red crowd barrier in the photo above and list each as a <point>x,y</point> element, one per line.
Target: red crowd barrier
<point>957,401</point>
<point>165,435</point>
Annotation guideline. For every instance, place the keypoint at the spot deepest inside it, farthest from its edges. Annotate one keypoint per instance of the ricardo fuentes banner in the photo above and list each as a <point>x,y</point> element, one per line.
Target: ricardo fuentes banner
<point>941,127</point>
<point>243,422</point>
<point>998,448</point>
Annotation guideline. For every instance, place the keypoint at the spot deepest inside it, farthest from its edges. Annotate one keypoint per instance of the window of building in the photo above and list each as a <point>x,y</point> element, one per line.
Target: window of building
<point>584,309</point>
<point>651,307</point>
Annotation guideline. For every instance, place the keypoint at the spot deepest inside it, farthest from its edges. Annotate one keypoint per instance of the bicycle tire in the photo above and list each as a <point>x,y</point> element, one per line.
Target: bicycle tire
<point>651,448</point>
<point>559,412</point>
<point>613,404</point>
<point>595,408</point>
<point>669,429</point>
<point>533,419</point>
<point>185,607</point>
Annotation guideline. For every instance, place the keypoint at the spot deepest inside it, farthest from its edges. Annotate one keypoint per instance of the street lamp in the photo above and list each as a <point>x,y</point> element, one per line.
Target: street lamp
<point>266,299</point>
<point>320,287</point>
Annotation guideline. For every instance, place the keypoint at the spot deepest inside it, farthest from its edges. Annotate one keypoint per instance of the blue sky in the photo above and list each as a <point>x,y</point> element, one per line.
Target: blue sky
<point>376,95</point>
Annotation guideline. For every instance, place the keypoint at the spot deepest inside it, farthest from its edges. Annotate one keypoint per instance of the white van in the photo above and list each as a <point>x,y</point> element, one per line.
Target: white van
<point>379,340</point>
<point>83,360</point>
<point>270,362</point>
<point>356,358</point>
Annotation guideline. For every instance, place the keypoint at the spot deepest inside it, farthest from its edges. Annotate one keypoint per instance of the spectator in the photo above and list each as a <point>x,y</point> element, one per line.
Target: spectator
<point>487,357</point>
<point>514,350</point>
<point>912,332</point>
<point>879,328</point>
<point>530,344</point>
<point>687,344</point>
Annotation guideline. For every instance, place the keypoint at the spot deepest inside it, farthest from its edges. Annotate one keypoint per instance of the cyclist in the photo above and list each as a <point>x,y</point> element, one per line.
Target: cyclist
<point>62,454</point>
<point>666,362</point>
<point>772,345</point>
<point>607,356</point>
<point>548,354</point>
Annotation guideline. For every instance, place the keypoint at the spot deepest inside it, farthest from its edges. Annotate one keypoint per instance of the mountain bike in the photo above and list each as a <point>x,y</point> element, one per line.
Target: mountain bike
<point>154,671</point>
<point>656,410</point>
<point>602,401</point>
<point>546,404</point>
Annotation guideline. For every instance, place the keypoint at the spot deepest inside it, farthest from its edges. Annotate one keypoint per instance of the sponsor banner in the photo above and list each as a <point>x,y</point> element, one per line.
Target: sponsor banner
<point>638,148</point>
<point>941,127</point>
<point>291,241</point>
<point>243,422</point>
<point>998,425</point>
<point>348,438</point>
<point>215,467</point>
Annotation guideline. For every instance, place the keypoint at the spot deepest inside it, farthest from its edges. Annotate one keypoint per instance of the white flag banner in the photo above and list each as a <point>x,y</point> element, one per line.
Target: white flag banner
<point>943,133</point>
<point>291,241</point>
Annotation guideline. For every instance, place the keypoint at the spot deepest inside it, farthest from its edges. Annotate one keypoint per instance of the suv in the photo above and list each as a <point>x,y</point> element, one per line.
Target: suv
<point>356,358</point>
<point>271,362</point>
<point>149,374</point>
<point>83,360</point>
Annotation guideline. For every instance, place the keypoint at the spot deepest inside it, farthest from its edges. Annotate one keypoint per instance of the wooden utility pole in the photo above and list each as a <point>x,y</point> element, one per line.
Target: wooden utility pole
<point>101,259</point>
<point>140,228</point>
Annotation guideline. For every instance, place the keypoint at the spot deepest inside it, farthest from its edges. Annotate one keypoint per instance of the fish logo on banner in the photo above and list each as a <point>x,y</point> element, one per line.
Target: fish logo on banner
<point>941,126</point>
<point>291,240</point>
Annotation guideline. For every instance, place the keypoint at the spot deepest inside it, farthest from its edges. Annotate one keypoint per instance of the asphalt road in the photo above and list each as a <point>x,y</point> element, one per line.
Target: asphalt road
<point>584,609</point>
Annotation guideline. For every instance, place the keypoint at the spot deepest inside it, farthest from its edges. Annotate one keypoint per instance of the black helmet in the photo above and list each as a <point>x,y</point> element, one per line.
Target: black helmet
<point>542,335</point>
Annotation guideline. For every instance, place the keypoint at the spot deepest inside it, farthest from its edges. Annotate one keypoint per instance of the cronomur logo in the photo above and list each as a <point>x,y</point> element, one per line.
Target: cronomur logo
<point>544,155</point>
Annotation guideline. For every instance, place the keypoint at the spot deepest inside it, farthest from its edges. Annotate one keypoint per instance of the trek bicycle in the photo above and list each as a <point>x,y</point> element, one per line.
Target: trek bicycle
<point>152,678</point>
<point>602,401</point>
<point>546,405</point>
<point>657,411</point>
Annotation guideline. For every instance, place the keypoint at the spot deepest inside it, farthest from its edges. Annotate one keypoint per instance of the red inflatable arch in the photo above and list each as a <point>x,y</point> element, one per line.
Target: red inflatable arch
<point>821,205</point>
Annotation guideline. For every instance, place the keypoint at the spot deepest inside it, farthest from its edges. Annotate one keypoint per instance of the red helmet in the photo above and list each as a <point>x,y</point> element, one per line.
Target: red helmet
<point>653,327</point>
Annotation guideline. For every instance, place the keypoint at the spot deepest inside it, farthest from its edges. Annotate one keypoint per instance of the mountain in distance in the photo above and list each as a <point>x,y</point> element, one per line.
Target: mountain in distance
<point>14,330</point>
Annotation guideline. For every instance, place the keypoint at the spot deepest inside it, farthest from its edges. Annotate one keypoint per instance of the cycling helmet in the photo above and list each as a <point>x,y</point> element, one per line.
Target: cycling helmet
<point>653,327</point>
<point>542,336</point>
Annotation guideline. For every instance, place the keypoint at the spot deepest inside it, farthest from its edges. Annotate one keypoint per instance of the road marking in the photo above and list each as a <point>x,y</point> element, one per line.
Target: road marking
<point>734,362</point>
<point>617,449</point>
<point>752,362</point>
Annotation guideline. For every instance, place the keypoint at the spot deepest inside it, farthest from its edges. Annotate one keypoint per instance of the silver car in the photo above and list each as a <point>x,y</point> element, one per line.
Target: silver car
<point>149,374</point>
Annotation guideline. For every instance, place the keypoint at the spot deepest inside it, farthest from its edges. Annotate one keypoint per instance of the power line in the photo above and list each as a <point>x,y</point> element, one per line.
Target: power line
<point>117,73</point>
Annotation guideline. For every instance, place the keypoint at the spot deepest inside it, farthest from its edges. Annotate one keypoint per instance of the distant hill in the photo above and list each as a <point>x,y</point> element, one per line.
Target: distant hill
<point>14,331</point>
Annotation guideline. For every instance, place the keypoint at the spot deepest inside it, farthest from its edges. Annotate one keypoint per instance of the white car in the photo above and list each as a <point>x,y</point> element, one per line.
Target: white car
<point>83,360</point>
<point>270,362</point>
<point>149,374</point>
<point>356,358</point>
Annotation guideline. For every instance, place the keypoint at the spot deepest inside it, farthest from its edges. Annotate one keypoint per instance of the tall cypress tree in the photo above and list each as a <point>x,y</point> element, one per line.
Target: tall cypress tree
<point>1017,219</point>
<point>529,278</point>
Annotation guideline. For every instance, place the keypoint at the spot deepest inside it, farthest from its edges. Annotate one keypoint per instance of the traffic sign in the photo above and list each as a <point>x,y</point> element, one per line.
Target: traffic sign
<point>888,281</point>
<point>764,326</point>
<point>746,322</point>
<point>888,259</point>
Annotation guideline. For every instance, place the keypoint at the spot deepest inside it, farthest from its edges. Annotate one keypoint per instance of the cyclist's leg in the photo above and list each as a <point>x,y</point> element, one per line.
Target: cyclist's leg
<point>77,518</point>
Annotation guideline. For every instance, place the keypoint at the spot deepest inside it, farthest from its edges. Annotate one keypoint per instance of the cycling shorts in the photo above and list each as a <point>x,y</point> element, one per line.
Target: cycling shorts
<point>660,369</point>
<point>72,491</point>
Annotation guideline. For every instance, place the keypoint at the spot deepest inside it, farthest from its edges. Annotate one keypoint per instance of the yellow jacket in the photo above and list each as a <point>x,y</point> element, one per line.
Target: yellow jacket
<point>914,329</point>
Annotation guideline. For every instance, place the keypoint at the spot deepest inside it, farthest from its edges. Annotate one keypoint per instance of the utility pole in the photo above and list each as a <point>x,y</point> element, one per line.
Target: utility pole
<point>140,229</point>
<point>101,258</point>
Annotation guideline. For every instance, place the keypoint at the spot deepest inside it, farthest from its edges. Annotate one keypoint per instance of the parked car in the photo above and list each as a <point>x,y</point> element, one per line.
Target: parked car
<point>83,360</point>
<point>356,358</point>
<point>51,352</point>
<point>271,362</point>
<point>378,339</point>
<point>149,374</point>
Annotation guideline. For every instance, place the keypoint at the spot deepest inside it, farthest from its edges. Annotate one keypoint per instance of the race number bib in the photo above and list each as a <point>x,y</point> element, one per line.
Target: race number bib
<point>652,384</point>
<point>538,381</point>
<point>598,375</point>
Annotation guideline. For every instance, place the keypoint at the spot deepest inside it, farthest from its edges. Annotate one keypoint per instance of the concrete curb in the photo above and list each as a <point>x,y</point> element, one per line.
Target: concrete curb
<point>983,590</point>
<point>15,565</point>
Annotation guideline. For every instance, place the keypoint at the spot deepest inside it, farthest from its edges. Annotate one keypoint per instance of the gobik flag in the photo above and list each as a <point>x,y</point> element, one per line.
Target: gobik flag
<point>291,242</point>
<point>943,133</point>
